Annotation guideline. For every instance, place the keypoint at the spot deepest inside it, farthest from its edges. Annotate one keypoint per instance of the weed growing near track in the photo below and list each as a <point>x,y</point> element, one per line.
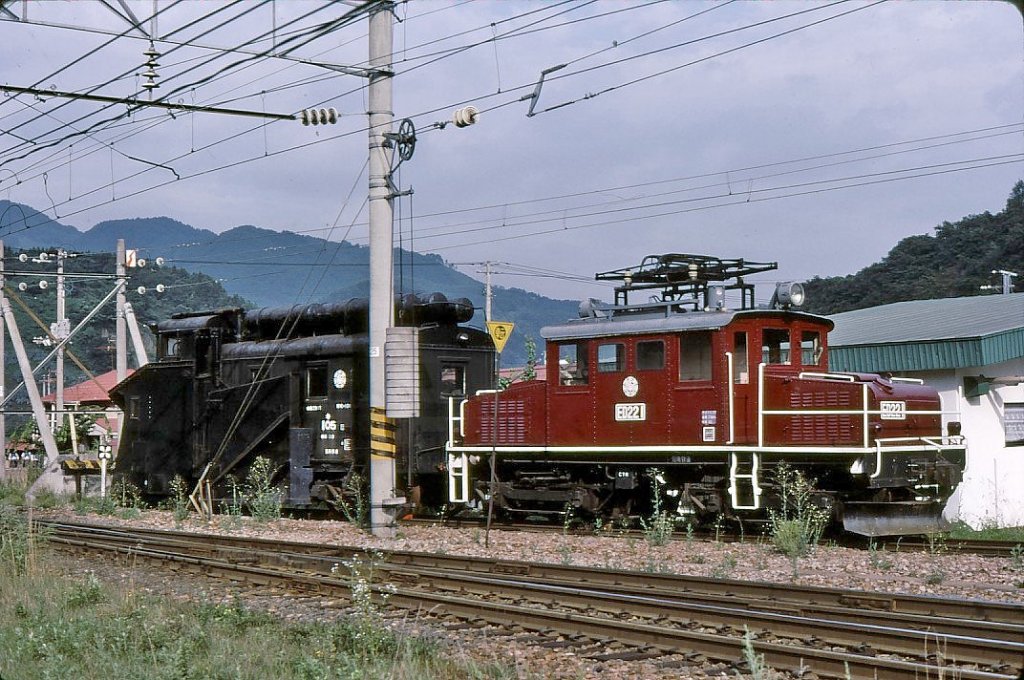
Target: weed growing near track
<point>179,503</point>
<point>796,527</point>
<point>659,527</point>
<point>354,502</point>
<point>61,626</point>
<point>263,498</point>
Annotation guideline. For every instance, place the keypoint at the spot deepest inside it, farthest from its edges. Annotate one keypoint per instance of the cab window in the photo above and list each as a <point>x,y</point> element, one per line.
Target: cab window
<point>695,356</point>
<point>316,382</point>
<point>775,346</point>
<point>811,349</point>
<point>740,370</point>
<point>572,364</point>
<point>453,380</point>
<point>650,355</point>
<point>611,358</point>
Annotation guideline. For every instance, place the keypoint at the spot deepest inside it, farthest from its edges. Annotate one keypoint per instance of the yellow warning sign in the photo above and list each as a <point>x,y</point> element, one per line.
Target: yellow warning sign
<point>500,330</point>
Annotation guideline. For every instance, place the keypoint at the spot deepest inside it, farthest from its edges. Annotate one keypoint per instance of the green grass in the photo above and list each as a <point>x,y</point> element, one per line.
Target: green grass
<point>55,626</point>
<point>12,493</point>
<point>1010,534</point>
<point>78,628</point>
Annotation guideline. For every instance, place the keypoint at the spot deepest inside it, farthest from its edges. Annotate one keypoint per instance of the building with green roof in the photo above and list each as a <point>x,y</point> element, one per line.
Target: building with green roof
<point>972,350</point>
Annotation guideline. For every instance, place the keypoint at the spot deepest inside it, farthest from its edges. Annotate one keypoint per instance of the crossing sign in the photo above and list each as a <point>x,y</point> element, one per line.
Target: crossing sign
<point>499,331</point>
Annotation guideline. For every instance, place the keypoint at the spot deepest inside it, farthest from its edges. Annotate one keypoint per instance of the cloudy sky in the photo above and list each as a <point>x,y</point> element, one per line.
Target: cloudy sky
<point>816,134</point>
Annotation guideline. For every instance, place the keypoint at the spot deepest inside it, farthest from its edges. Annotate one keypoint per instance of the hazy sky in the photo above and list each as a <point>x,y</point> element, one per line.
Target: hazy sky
<point>816,134</point>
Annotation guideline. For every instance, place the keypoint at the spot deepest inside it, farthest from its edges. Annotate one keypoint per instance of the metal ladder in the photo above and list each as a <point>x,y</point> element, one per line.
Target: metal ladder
<point>458,463</point>
<point>736,478</point>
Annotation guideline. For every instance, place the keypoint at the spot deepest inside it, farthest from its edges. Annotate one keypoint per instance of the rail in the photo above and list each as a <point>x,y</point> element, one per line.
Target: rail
<point>834,633</point>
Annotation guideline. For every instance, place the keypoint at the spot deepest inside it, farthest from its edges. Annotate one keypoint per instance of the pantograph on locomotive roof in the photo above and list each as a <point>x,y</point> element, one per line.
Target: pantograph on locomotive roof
<point>684,280</point>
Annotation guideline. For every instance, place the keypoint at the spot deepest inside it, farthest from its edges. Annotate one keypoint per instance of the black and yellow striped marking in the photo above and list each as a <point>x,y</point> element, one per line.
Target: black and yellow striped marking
<point>382,434</point>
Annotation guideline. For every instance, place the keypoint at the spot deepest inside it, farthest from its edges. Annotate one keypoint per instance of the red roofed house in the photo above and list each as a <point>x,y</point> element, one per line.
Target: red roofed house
<point>92,397</point>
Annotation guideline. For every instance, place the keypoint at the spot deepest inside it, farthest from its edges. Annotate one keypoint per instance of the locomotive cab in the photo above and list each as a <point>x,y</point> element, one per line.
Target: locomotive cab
<point>688,397</point>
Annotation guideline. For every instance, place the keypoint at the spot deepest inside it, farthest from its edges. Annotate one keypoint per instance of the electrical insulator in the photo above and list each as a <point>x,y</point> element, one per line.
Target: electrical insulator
<point>151,75</point>
<point>142,262</point>
<point>160,287</point>
<point>141,290</point>
<point>160,261</point>
<point>465,116</point>
<point>43,285</point>
<point>23,258</point>
<point>319,116</point>
<point>22,286</point>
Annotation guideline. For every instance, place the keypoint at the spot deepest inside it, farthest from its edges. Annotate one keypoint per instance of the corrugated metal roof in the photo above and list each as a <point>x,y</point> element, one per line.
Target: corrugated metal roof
<point>929,334</point>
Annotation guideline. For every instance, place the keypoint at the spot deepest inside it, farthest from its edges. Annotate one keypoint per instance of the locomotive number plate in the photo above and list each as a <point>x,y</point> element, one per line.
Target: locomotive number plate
<point>630,412</point>
<point>894,410</point>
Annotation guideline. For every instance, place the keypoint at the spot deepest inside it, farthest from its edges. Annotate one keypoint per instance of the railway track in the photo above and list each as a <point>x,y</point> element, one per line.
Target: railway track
<point>830,632</point>
<point>986,548</point>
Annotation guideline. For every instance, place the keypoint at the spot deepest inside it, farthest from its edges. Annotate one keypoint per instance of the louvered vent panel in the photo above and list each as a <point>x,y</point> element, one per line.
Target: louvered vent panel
<point>511,422</point>
<point>825,429</point>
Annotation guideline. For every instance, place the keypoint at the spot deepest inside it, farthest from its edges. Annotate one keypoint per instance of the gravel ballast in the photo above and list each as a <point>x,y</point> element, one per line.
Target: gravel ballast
<point>938,573</point>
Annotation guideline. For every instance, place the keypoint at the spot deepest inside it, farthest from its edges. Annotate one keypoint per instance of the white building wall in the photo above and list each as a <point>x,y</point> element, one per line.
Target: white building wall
<point>992,493</point>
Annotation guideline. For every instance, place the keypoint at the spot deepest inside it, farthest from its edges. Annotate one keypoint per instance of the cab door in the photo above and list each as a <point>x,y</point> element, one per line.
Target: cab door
<point>743,383</point>
<point>618,408</point>
<point>570,412</point>
<point>651,365</point>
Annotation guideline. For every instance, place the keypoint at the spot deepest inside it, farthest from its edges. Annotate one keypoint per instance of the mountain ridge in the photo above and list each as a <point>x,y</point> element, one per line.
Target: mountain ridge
<point>280,268</point>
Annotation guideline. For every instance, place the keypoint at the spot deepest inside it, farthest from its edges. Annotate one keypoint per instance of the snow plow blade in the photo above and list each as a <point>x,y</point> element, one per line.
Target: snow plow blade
<point>894,519</point>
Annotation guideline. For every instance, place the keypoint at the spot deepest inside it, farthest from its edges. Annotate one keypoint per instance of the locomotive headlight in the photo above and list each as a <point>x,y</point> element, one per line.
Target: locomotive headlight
<point>790,294</point>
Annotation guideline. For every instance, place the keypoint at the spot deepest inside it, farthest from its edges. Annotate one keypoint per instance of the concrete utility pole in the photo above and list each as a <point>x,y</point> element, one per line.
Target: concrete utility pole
<point>382,306</point>
<point>133,327</point>
<point>488,294</point>
<point>121,327</point>
<point>1007,280</point>
<point>3,365</point>
<point>49,444</point>
<point>60,332</point>
<point>1007,277</point>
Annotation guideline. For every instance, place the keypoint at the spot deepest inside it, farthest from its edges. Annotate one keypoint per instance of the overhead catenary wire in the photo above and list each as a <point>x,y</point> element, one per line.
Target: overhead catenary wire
<point>326,27</point>
<point>125,73</point>
<point>253,129</point>
<point>221,103</point>
<point>68,136</point>
<point>421,216</point>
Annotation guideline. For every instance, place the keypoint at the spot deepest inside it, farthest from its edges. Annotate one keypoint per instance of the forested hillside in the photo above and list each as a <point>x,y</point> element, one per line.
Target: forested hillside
<point>954,261</point>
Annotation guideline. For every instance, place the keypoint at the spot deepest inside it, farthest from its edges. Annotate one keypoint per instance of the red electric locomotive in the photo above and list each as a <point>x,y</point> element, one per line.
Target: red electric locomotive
<point>682,393</point>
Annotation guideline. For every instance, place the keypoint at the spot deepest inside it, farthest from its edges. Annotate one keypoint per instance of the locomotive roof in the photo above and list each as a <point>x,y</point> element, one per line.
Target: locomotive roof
<point>191,323</point>
<point>599,327</point>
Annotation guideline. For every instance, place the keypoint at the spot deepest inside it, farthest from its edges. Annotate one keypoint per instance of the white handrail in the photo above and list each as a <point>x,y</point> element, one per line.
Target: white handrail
<point>760,404</point>
<point>732,398</point>
<point>845,377</point>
